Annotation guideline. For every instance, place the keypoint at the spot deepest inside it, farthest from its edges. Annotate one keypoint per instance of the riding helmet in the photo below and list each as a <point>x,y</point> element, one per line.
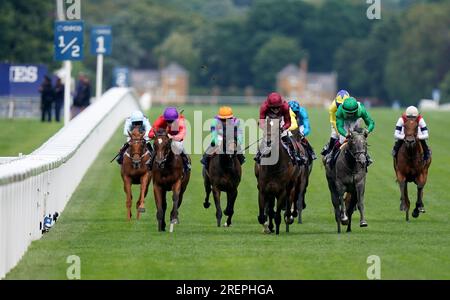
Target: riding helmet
<point>294,105</point>
<point>274,100</point>
<point>412,111</point>
<point>170,114</point>
<point>137,116</point>
<point>341,96</point>
<point>350,105</point>
<point>225,112</point>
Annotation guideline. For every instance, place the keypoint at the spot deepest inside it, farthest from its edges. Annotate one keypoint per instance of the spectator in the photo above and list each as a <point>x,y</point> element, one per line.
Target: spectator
<point>59,98</point>
<point>82,95</point>
<point>47,96</point>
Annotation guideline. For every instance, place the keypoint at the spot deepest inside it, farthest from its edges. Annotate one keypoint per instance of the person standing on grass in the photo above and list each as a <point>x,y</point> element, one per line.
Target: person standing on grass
<point>59,98</point>
<point>82,97</point>
<point>47,96</point>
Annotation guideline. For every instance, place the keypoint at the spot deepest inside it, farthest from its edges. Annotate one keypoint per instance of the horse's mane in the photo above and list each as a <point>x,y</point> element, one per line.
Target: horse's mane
<point>161,132</point>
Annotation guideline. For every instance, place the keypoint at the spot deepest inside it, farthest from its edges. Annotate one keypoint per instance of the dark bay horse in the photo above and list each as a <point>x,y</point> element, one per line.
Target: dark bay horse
<point>410,167</point>
<point>276,180</point>
<point>348,176</point>
<point>134,170</point>
<point>168,175</point>
<point>223,175</point>
<point>303,178</point>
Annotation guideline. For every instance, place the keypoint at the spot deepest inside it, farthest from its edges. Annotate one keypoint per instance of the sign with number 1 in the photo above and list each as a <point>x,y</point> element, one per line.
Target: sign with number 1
<point>69,40</point>
<point>101,40</point>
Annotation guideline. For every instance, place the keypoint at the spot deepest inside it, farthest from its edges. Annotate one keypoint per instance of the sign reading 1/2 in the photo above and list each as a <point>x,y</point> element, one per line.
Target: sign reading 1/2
<point>101,40</point>
<point>69,40</point>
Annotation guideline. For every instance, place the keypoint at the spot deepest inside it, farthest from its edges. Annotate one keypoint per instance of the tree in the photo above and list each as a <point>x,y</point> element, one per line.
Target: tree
<point>420,62</point>
<point>276,53</point>
<point>179,48</point>
<point>445,89</point>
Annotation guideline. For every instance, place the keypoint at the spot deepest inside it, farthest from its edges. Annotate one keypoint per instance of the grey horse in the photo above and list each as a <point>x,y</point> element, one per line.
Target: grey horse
<point>348,176</point>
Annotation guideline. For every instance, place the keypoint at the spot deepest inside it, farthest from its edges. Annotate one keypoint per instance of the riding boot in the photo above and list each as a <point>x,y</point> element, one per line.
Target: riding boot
<point>121,153</point>
<point>397,146</point>
<point>309,149</point>
<point>241,158</point>
<point>329,147</point>
<point>187,164</point>
<point>333,155</point>
<point>205,160</point>
<point>299,159</point>
<point>426,150</point>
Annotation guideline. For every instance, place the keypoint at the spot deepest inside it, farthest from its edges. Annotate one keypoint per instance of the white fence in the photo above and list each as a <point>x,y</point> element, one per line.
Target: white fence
<point>42,183</point>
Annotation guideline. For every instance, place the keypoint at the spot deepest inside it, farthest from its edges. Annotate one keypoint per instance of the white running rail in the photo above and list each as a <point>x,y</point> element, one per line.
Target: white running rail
<point>42,183</point>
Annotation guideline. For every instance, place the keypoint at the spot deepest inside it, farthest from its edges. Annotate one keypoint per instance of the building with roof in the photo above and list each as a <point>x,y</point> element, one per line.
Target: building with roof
<point>168,85</point>
<point>311,89</point>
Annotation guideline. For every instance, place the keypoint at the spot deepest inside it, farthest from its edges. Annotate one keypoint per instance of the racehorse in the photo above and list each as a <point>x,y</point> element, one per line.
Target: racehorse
<point>168,175</point>
<point>410,167</point>
<point>348,175</point>
<point>303,178</point>
<point>275,181</point>
<point>223,175</point>
<point>134,170</point>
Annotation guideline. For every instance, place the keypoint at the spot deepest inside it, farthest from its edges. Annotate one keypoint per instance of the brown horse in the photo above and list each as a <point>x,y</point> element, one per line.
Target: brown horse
<point>410,167</point>
<point>134,170</point>
<point>168,175</point>
<point>303,178</point>
<point>223,175</point>
<point>276,180</point>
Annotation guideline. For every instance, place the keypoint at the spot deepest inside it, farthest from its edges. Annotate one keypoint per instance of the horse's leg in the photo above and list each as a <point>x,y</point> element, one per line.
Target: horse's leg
<point>281,199</point>
<point>176,191</point>
<point>262,217</point>
<point>360,190</point>
<point>207,185</point>
<point>270,203</point>
<point>420,182</point>
<point>127,189</point>
<point>216,195</point>
<point>340,189</point>
<point>158,193</point>
<point>301,197</point>
<point>164,208</point>
<point>405,199</point>
<point>351,209</point>
<point>229,211</point>
<point>140,205</point>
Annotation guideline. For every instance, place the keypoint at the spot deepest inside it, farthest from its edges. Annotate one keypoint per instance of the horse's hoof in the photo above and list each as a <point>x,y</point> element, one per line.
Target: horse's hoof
<point>300,221</point>
<point>422,210</point>
<point>141,209</point>
<point>174,221</point>
<point>344,221</point>
<point>363,224</point>
<point>266,228</point>
<point>171,227</point>
<point>415,213</point>
<point>206,204</point>
<point>227,225</point>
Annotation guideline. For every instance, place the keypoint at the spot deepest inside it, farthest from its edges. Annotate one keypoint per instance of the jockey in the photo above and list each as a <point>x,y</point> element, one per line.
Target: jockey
<point>175,125</point>
<point>137,118</point>
<point>332,109</point>
<point>300,120</point>
<point>347,119</point>
<point>223,120</point>
<point>276,108</point>
<point>422,134</point>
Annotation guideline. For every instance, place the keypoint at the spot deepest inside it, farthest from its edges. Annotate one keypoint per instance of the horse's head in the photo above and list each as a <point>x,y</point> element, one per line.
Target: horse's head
<point>357,144</point>
<point>162,147</point>
<point>410,127</point>
<point>137,146</point>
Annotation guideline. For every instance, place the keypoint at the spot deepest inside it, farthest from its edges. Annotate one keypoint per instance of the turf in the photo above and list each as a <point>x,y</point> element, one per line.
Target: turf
<point>93,225</point>
<point>24,135</point>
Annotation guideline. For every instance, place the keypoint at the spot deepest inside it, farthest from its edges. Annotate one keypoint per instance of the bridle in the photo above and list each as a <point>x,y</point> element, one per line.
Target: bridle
<point>355,155</point>
<point>167,149</point>
<point>136,162</point>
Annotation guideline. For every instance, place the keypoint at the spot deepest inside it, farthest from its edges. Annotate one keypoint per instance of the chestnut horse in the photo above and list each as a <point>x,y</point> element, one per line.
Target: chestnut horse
<point>275,180</point>
<point>168,175</point>
<point>134,170</point>
<point>409,166</point>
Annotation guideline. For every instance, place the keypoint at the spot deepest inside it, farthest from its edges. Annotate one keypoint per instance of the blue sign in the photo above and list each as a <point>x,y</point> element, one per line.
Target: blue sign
<point>101,40</point>
<point>68,40</point>
<point>121,77</point>
<point>21,80</point>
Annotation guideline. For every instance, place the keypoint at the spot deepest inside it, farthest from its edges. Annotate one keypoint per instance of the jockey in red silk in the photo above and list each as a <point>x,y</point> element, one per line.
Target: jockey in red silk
<point>174,123</point>
<point>276,108</point>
